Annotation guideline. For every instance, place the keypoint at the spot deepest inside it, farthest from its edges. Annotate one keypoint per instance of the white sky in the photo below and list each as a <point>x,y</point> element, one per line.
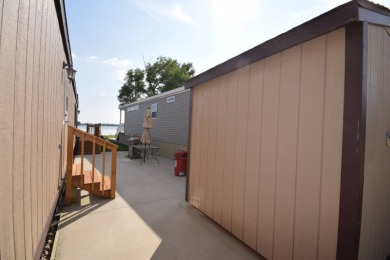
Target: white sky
<point>109,37</point>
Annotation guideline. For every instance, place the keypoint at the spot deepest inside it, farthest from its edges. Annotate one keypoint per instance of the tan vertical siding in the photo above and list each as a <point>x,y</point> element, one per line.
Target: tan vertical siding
<point>196,146</point>
<point>278,150</point>
<point>212,139</point>
<point>268,155</point>
<point>204,169</point>
<point>253,154</point>
<point>220,155</point>
<point>28,180</point>
<point>331,147</point>
<point>240,153</point>
<point>310,131</point>
<point>287,153</point>
<point>32,116</point>
<point>1,13</point>
<point>375,229</point>
<point>229,149</point>
<point>7,86</point>
<point>18,117</point>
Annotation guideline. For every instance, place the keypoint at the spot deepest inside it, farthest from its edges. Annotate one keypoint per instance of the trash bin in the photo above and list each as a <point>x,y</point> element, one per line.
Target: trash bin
<point>180,163</point>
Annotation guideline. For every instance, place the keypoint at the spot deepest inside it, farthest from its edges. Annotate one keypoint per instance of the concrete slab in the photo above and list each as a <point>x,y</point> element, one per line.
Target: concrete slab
<point>148,219</point>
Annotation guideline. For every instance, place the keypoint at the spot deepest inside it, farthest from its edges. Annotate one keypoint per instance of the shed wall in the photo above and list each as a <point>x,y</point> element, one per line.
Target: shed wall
<point>266,150</point>
<point>32,84</point>
<point>375,227</point>
<point>171,124</point>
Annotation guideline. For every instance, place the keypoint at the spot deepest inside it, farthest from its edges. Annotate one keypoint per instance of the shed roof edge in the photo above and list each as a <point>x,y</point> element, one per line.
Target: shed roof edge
<point>331,20</point>
<point>175,91</point>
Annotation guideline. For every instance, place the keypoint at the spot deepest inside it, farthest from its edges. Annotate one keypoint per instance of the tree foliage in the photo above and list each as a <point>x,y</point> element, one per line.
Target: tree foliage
<point>160,76</point>
<point>166,74</point>
<point>133,87</point>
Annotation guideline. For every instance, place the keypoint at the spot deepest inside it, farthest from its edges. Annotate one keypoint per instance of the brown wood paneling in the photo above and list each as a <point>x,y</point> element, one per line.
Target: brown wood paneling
<point>28,134</point>
<point>7,87</point>
<point>230,135</point>
<point>189,148</point>
<point>375,227</point>
<point>309,158</point>
<point>268,153</point>
<point>332,141</point>
<point>220,149</point>
<point>353,145</point>
<point>192,143</point>
<point>239,170</point>
<point>253,154</point>
<point>204,169</point>
<point>212,139</point>
<point>287,153</point>
<point>18,141</point>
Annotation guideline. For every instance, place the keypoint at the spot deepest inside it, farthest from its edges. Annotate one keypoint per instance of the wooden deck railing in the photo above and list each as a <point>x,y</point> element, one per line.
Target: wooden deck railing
<point>83,137</point>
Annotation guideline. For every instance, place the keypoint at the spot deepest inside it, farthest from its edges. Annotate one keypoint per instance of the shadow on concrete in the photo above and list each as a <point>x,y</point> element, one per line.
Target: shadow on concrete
<point>148,219</point>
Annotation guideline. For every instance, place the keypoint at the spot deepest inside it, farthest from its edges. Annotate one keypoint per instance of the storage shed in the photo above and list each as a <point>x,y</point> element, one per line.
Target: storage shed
<point>288,139</point>
<point>170,114</point>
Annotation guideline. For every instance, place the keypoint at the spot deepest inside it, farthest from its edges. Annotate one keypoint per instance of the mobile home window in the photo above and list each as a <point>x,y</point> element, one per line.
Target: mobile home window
<point>170,99</point>
<point>154,110</point>
<point>132,108</point>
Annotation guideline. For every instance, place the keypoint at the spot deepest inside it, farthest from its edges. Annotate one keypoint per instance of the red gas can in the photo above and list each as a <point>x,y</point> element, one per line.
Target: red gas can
<point>180,163</point>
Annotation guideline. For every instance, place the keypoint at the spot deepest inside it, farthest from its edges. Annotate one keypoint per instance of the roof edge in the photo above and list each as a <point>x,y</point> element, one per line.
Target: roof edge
<point>175,91</point>
<point>63,24</point>
<point>374,7</point>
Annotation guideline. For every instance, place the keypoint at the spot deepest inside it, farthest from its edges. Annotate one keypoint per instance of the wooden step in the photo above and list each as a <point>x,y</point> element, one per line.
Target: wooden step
<point>76,174</point>
<point>101,188</point>
<point>76,169</point>
<point>87,185</point>
<point>106,191</point>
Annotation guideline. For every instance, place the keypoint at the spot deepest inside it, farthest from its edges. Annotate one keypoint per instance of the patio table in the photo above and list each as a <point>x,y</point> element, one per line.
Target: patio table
<point>144,150</point>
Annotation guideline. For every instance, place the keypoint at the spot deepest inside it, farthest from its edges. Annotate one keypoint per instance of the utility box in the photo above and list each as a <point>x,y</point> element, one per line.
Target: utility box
<point>133,152</point>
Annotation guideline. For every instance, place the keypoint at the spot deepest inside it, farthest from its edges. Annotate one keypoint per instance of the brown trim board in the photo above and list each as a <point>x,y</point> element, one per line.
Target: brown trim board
<point>353,144</point>
<point>189,147</point>
<point>63,25</point>
<point>62,22</point>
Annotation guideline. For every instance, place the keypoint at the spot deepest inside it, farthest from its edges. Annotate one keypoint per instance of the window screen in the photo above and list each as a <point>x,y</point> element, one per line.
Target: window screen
<point>153,108</point>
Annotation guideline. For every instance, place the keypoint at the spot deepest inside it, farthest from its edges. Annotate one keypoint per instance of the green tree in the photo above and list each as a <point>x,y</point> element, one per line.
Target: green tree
<point>166,74</point>
<point>133,87</point>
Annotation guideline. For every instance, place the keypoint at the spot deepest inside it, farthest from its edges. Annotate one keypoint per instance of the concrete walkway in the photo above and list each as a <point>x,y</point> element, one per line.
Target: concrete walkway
<point>148,219</point>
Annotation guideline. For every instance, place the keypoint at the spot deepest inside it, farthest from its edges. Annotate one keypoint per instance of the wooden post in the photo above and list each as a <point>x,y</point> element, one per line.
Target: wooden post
<point>69,162</point>
<point>82,161</point>
<point>113,172</point>
<point>93,164</point>
<point>103,166</point>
